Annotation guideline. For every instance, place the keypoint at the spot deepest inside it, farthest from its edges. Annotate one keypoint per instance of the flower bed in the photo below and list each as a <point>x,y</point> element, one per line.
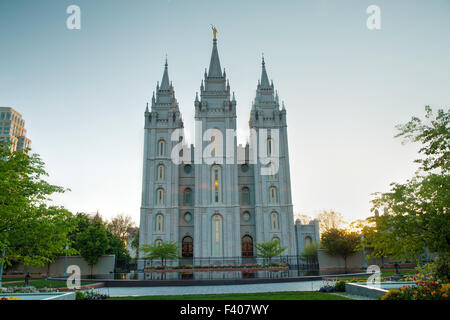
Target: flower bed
<point>10,298</point>
<point>86,287</point>
<point>423,290</point>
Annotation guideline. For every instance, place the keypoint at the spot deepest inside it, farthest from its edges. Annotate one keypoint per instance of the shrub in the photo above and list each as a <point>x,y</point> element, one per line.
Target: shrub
<point>327,288</point>
<point>89,295</point>
<point>340,286</point>
<point>79,295</point>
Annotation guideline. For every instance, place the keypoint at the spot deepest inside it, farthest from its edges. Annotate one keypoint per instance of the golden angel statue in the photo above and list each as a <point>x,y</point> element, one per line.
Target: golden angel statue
<point>214,30</point>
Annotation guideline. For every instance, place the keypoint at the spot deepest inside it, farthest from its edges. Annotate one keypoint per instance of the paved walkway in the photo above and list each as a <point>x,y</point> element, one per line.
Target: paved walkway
<point>242,288</point>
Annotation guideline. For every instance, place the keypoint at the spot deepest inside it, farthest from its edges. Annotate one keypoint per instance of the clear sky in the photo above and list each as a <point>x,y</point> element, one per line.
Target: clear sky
<point>83,92</point>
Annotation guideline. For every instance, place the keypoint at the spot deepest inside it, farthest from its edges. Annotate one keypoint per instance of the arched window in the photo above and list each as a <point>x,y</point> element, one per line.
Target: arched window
<point>161,148</point>
<point>269,146</point>
<point>159,223</point>
<point>158,242</point>
<point>216,182</point>
<point>274,219</point>
<point>160,197</point>
<point>160,172</point>
<point>276,239</point>
<point>245,195</point>
<point>308,240</point>
<point>217,235</point>
<point>273,195</point>
<point>187,249</point>
<point>187,196</point>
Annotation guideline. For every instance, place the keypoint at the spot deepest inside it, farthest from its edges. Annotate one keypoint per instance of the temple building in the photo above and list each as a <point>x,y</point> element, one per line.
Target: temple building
<point>221,206</point>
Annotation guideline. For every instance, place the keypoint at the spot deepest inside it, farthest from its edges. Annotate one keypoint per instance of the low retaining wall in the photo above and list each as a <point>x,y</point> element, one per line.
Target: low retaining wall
<point>364,290</point>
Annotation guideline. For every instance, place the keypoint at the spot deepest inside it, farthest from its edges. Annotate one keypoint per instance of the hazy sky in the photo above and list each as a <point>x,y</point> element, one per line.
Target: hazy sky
<point>83,92</point>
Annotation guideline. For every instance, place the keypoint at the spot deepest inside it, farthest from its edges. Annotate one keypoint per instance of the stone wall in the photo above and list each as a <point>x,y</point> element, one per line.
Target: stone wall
<point>105,265</point>
<point>354,262</point>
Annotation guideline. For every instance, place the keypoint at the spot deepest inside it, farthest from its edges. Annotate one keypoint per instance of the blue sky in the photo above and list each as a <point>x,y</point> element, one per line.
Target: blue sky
<point>83,92</point>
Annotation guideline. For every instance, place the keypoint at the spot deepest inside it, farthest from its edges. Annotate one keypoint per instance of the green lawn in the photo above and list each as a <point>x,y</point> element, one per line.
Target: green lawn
<point>288,295</point>
<point>38,283</point>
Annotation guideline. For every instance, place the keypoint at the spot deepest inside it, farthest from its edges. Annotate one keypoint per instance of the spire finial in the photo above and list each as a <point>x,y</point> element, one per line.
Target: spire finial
<point>263,63</point>
<point>214,30</point>
<point>166,64</point>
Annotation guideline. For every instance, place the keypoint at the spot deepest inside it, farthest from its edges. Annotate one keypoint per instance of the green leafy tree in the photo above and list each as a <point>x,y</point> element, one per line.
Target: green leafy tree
<point>341,242</point>
<point>309,253</point>
<point>135,242</point>
<point>163,251</point>
<point>34,232</point>
<point>269,249</point>
<point>117,247</point>
<point>416,213</point>
<point>93,243</point>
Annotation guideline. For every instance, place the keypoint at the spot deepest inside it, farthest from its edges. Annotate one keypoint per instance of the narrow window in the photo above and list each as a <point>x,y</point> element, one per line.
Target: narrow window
<point>159,222</point>
<point>216,176</point>
<point>217,236</point>
<point>274,220</point>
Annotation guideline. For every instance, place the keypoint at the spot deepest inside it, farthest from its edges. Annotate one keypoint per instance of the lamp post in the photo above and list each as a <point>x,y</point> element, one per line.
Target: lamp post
<point>65,261</point>
<point>1,264</point>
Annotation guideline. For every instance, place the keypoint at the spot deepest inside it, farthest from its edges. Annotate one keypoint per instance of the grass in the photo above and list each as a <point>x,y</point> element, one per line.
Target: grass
<point>385,273</point>
<point>38,283</point>
<point>288,295</point>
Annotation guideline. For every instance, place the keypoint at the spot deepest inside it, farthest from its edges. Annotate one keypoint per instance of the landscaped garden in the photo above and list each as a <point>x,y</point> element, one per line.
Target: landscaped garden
<point>38,283</point>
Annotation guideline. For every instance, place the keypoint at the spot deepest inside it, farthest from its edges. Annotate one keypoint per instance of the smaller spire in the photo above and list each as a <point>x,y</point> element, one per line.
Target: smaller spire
<point>146,108</point>
<point>196,97</point>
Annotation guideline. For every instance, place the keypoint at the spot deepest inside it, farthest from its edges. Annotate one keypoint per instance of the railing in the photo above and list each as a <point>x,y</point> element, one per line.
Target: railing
<point>293,262</point>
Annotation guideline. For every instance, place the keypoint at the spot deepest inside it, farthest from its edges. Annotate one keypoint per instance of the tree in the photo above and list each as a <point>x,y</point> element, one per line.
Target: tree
<point>34,232</point>
<point>93,243</point>
<point>309,253</point>
<point>269,249</point>
<point>163,251</point>
<point>416,213</point>
<point>341,242</point>
<point>329,219</point>
<point>117,247</point>
<point>135,242</point>
<point>119,226</point>
<point>304,219</point>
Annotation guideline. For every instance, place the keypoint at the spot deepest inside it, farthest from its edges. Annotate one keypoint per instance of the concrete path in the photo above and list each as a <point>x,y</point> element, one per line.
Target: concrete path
<point>242,288</point>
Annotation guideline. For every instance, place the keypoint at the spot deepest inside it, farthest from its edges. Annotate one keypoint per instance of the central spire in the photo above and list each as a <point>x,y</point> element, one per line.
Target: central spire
<point>214,66</point>
<point>264,78</point>
<point>165,79</point>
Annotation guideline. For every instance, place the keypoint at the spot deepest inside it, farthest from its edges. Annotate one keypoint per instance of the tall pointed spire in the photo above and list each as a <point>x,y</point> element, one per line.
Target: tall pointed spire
<point>165,79</point>
<point>214,66</point>
<point>264,78</point>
